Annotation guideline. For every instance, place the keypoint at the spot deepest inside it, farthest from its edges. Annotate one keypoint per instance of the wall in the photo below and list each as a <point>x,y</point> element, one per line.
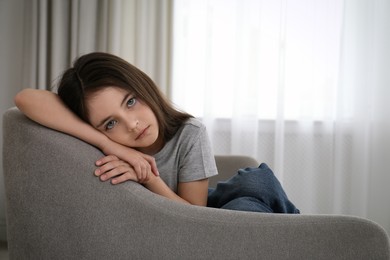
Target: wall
<point>11,53</point>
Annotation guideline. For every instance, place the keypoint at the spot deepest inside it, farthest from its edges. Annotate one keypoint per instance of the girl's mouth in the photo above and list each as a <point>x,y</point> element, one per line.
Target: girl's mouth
<point>142,134</point>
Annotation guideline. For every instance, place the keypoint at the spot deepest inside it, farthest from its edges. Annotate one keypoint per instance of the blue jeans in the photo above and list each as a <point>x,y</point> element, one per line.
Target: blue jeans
<point>252,189</point>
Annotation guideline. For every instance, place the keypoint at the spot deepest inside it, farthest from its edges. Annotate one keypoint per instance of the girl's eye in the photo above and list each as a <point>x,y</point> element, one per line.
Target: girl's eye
<point>110,125</point>
<point>131,102</point>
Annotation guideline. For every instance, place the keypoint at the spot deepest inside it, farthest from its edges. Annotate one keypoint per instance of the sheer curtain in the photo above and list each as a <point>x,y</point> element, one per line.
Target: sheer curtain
<point>301,85</point>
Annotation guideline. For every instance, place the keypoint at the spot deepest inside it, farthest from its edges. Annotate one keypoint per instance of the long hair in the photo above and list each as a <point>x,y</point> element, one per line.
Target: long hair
<point>95,71</point>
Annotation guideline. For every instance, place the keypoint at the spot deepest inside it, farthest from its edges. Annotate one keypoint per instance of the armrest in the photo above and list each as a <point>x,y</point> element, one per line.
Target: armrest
<point>228,165</point>
<point>56,208</point>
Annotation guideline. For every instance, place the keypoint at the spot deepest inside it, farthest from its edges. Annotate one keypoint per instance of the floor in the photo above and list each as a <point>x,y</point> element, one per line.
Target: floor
<point>3,251</point>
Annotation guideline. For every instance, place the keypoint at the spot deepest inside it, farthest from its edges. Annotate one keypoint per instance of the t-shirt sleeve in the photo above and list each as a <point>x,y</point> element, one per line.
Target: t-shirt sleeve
<point>198,161</point>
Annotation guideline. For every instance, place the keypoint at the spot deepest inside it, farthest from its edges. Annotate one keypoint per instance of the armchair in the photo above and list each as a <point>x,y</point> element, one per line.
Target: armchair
<point>57,209</point>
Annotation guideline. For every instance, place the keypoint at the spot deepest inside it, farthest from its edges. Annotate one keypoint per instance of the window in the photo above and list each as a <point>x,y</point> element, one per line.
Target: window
<point>257,58</point>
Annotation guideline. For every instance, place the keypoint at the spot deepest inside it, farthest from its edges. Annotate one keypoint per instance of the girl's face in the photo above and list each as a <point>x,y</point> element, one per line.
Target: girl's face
<point>124,119</point>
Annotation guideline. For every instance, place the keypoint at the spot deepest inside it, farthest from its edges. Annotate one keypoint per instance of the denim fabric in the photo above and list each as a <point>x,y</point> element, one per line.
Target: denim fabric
<point>252,189</point>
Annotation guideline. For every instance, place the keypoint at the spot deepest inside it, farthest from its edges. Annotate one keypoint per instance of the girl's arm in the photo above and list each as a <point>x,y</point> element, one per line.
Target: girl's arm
<point>194,192</point>
<point>113,169</point>
<point>46,108</point>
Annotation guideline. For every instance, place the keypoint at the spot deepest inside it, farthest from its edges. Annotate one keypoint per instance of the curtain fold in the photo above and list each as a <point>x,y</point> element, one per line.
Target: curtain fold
<point>301,85</point>
<point>56,32</point>
<point>364,87</point>
<point>40,39</point>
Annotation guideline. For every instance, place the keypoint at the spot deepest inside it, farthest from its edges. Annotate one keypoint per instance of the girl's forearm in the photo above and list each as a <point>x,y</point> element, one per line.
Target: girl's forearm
<point>158,186</point>
<point>46,108</point>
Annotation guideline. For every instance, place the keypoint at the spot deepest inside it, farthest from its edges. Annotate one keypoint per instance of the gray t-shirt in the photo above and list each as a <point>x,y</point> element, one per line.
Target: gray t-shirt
<point>187,156</point>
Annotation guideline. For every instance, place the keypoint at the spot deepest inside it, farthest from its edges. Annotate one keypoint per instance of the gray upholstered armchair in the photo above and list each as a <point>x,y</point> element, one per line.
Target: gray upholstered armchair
<point>57,209</point>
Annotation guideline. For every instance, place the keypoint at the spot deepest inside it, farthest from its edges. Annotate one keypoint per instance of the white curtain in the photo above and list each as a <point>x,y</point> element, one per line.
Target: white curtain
<point>301,85</point>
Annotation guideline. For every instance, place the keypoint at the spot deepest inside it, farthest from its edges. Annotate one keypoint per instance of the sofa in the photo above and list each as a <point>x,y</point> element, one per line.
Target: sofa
<point>57,209</point>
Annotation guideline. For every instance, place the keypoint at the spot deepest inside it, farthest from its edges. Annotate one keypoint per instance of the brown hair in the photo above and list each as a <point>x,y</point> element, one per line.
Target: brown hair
<point>95,71</point>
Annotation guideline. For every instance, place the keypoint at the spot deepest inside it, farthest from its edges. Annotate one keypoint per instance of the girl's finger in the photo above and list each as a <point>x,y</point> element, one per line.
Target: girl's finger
<point>106,159</point>
<point>109,166</point>
<point>143,175</point>
<point>124,177</point>
<point>152,163</point>
<point>117,171</point>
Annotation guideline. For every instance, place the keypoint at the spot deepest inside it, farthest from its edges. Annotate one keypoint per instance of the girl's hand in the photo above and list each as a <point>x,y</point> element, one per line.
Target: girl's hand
<point>116,170</point>
<point>142,164</point>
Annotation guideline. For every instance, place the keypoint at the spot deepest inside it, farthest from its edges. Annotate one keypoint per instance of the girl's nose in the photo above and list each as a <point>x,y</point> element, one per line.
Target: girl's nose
<point>132,124</point>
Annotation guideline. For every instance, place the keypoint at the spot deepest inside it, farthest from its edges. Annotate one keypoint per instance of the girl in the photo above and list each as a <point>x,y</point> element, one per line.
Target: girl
<point>114,106</point>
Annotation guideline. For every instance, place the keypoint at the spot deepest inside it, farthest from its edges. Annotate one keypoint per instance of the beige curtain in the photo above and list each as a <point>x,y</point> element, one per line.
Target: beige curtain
<point>40,38</point>
<point>58,31</point>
